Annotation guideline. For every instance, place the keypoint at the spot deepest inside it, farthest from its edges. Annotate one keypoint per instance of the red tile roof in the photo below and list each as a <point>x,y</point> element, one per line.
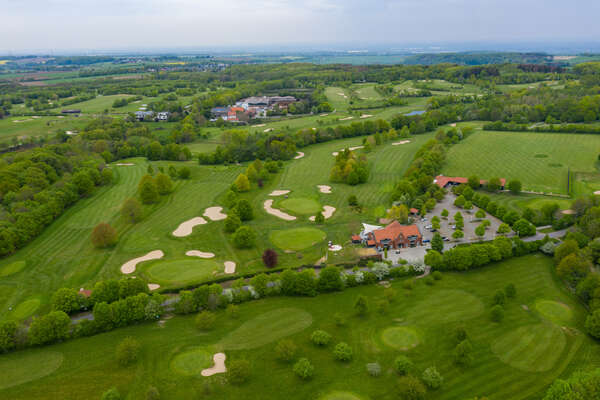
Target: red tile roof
<point>370,243</point>
<point>86,293</point>
<point>394,230</point>
<point>356,238</point>
<point>414,211</point>
<point>442,181</point>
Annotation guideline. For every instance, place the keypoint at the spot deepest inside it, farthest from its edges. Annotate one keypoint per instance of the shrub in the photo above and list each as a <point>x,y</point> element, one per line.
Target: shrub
<point>499,297</point>
<point>66,300</point>
<point>232,223</point>
<point>330,280</point>
<point>244,237</point>
<point>408,284</point>
<point>339,319</point>
<point>592,324</point>
<point>148,191</point>
<point>304,369</point>
<point>510,291</point>
<point>131,210</point>
<point>233,311</point>
<point>432,378</point>
<point>361,305</point>
<point>497,313</point>
<point>319,218</point>
<point>269,258</point>
<point>437,275</point>
<point>460,334</point>
<point>128,351</point>
<point>111,394</point>
<point>403,365</point>
<point>244,210</point>
<point>104,235</point>
<point>286,350</point>
<point>342,352</point>
<point>463,352</point>
<point>152,393</point>
<point>320,338</point>
<point>238,371</point>
<point>184,173</point>
<point>352,201</point>
<point>164,185</point>
<point>205,320</point>
<point>374,369</point>
<point>242,184</point>
<point>410,388</point>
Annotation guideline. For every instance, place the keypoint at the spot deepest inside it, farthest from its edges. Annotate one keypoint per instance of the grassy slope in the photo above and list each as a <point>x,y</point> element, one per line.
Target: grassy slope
<point>512,155</point>
<point>38,126</point>
<point>457,300</point>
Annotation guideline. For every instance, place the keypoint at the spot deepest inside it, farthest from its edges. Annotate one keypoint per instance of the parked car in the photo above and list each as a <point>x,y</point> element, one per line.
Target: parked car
<point>433,230</point>
<point>426,241</point>
<point>454,227</point>
<point>423,219</point>
<point>445,239</point>
<point>428,226</point>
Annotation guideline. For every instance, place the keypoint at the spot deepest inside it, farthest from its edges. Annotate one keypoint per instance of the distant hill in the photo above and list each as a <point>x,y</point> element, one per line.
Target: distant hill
<point>479,58</point>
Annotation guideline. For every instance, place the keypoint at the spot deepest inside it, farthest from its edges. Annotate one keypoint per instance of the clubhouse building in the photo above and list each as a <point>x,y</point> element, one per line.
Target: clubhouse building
<point>446,182</point>
<point>392,236</point>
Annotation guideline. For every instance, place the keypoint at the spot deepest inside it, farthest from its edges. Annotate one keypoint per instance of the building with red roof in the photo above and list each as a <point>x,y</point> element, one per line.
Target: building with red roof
<point>447,181</point>
<point>395,235</point>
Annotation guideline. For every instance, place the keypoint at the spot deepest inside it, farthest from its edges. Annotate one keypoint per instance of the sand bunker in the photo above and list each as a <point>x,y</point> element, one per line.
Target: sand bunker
<point>324,188</point>
<point>260,125</point>
<point>279,192</point>
<point>356,148</point>
<point>153,286</point>
<point>268,130</point>
<point>201,254</point>
<point>327,213</point>
<point>335,247</point>
<point>597,192</point>
<point>124,164</point>
<point>278,213</point>
<point>21,120</point>
<point>229,267</point>
<point>365,116</point>
<point>185,228</point>
<point>300,155</point>
<point>402,142</point>
<point>453,125</point>
<point>568,212</point>
<point>129,266</point>
<point>214,213</point>
<point>323,115</point>
<point>219,366</point>
<point>346,119</point>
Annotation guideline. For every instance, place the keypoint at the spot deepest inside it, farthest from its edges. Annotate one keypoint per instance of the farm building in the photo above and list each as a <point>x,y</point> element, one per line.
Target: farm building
<point>448,181</point>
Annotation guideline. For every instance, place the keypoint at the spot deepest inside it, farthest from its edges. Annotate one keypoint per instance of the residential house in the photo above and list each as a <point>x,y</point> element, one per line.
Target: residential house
<point>163,116</point>
<point>142,115</point>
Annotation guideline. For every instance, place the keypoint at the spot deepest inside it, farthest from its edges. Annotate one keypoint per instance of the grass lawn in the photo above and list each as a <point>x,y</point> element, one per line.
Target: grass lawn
<point>14,128</point>
<point>539,160</point>
<point>301,206</point>
<point>515,359</point>
<point>338,98</point>
<point>182,272</point>
<point>297,239</point>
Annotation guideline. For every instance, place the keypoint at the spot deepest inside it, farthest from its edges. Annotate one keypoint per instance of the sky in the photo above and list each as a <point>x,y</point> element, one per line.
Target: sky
<point>54,25</point>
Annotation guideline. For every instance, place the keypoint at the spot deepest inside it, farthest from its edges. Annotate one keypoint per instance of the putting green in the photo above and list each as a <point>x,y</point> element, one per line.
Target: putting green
<point>401,337</point>
<point>12,268</point>
<point>531,348</point>
<point>18,368</point>
<point>340,396</point>
<point>182,271</point>
<point>301,206</point>
<point>25,309</point>
<point>446,306</point>
<point>556,312</point>
<point>192,361</point>
<point>267,328</point>
<point>297,239</point>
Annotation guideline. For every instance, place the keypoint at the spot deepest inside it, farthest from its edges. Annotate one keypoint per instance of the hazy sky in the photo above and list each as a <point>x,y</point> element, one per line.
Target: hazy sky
<point>130,24</point>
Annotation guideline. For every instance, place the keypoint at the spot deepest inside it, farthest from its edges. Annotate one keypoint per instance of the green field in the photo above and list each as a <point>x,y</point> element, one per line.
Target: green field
<point>18,128</point>
<point>515,359</point>
<point>540,160</point>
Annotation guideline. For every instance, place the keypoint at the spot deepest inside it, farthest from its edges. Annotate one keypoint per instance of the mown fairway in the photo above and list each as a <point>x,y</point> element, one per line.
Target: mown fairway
<point>514,359</point>
<point>539,160</point>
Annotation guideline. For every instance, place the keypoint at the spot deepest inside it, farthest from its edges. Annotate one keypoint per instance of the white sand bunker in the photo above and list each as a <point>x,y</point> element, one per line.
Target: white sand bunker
<point>299,156</point>
<point>219,366</point>
<point>401,142</point>
<point>185,228</point>
<point>323,115</point>
<point>278,213</point>
<point>324,188</point>
<point>229,267</point>
<point>335,247</point>
<point>356,148</point>
<point>215,213</point>
<point>346,119</point>
<point>597,192</point>
<point>153,286</point>
<point>327,213</point>
<point>125,164</point>
<point>365,116</point>
<point>453,125</point>
<point>568,212</point>
<point>129,266</point>
<point>279,192</point>
<point>201,254</point>
<point>260,125</point>
<point>268,130</point>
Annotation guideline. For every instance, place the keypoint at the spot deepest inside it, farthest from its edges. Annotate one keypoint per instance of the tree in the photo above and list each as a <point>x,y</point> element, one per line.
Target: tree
<point>573,268</point>
<point>592,324</point>
<point>410,388</point>
<point>352,201</point>
<point>580,385</point>
<point>514,186</point>
<point>269,258</point>
<point>152,393</point>
<point>342,352</point>
<point>8,336</point>
<point>458,234</point>
<point>286,350</point>
<point>566,248</point>
<point>480,214</point>
<point>66,300</point>
<point>432,378</point>
<point>320,338</point>
<point>244,210</point>
<point>460,201</point>
<point>330,280</point>
<point>205,320</point>
<point>128,351</point>
<point>463,352</point>
<point>497,313</point>
<point>480,231</point>
<point>184,173</point>
<point>111,394</point>
<point>434,259</point>
<point>244,237</point>
<point>494,184</point>
<point>104,236</point>
<point>524,228</point>
<point>499,297</point>
<point>232,223</point>
<point>503,229</point>
<point>238,371</point>
<point>49,328</point>
<point>399,213</point>
<point>148,191</point>
<point>437,243</point>
<point>435,222</point>
<point>319,218</point>
<point>468,205</point>
<point>131,210</point>
<point>510,291</point>
<point>474,182</point>
<point>361,305</point>
<point>242,184</point>
<point>445,213</point>
<point>304,369</point>
<point>403,365</point>
<point>164,184</point>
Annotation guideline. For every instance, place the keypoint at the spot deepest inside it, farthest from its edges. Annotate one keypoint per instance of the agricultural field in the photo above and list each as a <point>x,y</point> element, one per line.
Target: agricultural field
<point>541,161</point>
<point>539,340</point>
